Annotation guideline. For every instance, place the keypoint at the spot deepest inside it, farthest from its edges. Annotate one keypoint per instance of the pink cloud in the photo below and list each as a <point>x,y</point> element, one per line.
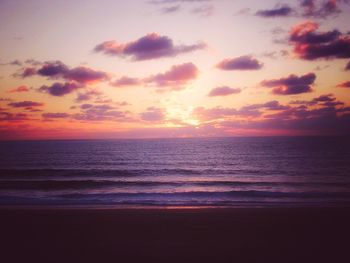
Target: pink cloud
<point>126,81</point>
<point>240,63</point>
<point>223,91</point>
<point>56,115</point>
<point>176,77</point>
<point>310,44</point>
<point>153,114</point>
<point>345,84</point>
<point>21,88</point>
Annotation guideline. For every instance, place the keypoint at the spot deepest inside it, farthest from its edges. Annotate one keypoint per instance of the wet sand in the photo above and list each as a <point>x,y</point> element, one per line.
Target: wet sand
<point>175,235</point>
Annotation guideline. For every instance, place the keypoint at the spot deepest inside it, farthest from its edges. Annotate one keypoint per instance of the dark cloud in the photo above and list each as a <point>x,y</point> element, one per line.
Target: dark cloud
<point>151,46</point>
<point>153,115</point>
<point>249,111</point>
<point>176,77</point>
<point>223,91</point>
<point>53,69</point>
<point>25,104</point>
<point>57,69</point>
<point>310,45</point>
<point>324,98</point>
<point>20,89</point>
<point>270,105</point>
<point>126,81</point>
<point>321,9</point>
<point>345,84</point>
<point>278,11</point>
<point>291,84</point>
<point>327,116</point>
<point>8,116</point>
<point>60,89</point>
<point>56,115</point>
<point>321,100</point>
<point>240,63</point>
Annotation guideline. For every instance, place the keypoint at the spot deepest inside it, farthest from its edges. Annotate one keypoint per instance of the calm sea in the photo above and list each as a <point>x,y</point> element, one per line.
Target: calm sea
<point>279,171</point>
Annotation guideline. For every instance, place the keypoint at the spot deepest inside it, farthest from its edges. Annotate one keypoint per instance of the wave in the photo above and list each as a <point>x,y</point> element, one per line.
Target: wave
<point>92,184</point>
<point>18,173</point>
<point>204,194</point>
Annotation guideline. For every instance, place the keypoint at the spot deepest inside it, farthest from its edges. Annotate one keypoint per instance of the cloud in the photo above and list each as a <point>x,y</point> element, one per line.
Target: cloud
<point>291,84</point>
<point>15,62</point>
<point>273,105</point>
<point>8,116</point>
<point>325,115</point>
<point>57,69</point>
<point>88,95</point>
<point>345,84</point>
<point>57,115</point>
<point>176,77</point>
<point>151,46</point>
<point>126,81</point>
<point>173,79</point>
<point>26,72</point>
<point>5,99</point>
<point>223,91</point>
<point>177,1</point>
<point>204,10</point>
<point>85,75</point>
<point>347,67</point>
<point>102,112</point>
<point>213,113</point>
<point>170,9</point>
<point>25,104</point>
<point>321,9</point>
<point>153,114</point>
<point>278,11</point>
<point>21,88</point>
<point>53,69</point>
<point>240,63</point>
<point>325,100</point>
<point>310,45</point>
<point>33,62</point>
<point>60,89</point>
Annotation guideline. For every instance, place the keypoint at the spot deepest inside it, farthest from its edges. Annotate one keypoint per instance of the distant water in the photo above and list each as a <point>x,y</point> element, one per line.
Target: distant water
<point>279,171</point>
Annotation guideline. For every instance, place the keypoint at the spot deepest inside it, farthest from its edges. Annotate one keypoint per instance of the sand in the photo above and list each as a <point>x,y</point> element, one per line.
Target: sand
<point>175,235</point>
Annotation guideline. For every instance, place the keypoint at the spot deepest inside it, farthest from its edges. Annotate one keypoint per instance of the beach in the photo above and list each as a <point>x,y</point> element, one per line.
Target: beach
<point>160,234</point>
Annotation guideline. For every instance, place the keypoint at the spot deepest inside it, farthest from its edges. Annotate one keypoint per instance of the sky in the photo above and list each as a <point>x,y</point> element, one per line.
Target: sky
<point>98,69</point>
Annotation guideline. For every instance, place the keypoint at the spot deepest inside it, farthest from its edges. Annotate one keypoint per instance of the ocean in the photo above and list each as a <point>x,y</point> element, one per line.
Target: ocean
<point>238,171</point>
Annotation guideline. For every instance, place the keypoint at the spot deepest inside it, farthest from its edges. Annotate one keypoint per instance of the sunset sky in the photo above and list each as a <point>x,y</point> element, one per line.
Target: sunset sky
<point>173,68</point>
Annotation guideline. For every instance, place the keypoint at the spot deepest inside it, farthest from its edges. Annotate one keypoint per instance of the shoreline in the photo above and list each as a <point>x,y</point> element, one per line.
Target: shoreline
<point>167,207</point>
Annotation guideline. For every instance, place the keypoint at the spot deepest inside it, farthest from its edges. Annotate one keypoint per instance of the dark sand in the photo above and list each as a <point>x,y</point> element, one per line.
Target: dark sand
<point>181,235</point>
